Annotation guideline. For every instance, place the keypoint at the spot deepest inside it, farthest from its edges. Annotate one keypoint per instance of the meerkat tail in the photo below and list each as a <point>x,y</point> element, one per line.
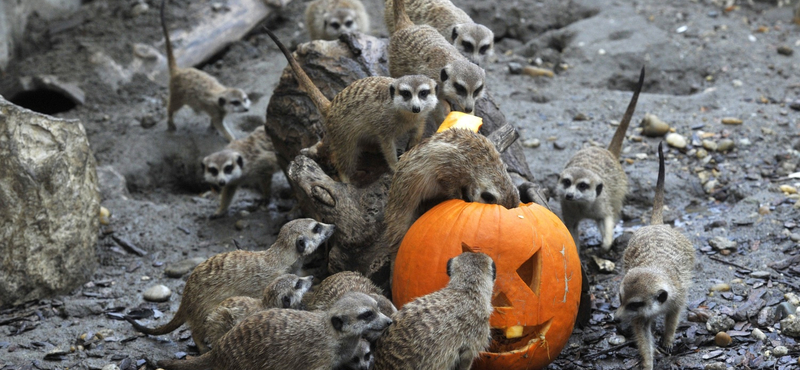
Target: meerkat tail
<point>616,143</point>
<point>170,56</point>
<point>658,201</point>
<point>305,82</point>
<point>169,327</point>
<point>194,363</point>
<point>401,19</point>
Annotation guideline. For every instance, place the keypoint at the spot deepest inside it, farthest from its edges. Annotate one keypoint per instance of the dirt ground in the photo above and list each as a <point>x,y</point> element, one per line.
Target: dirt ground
<point>703,64</point>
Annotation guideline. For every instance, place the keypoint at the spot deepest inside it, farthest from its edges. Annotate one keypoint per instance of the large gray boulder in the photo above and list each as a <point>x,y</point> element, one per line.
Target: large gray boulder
<point>49,205</point>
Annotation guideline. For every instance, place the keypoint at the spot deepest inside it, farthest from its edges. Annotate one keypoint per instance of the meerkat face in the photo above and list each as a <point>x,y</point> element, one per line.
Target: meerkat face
<point>461,84</point>
<point>415,93</point>
<point>358,314</point>
<point>384,304</point>
<point>223,167</point>
<point>286,291</point>
<point>340,21</point>
<point>643,294</point>
<point>311,235</point>
<point>579,185</point>
<point>234,101</point>
<point>474,41</point>
<point>362,357</point>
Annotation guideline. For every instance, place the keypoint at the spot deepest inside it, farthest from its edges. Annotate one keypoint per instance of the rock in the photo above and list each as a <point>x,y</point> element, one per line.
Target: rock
<point>716,366</point>
<point>112,184</point>
<point>793,299</point>
<point>731,121</point>
<point>240,225</point>
<point>111,367</point>
<point>181,268</point>
<point>532,143</point>
<point>537,72</point>
<point>780,351</point>
<point>758,334</point>
<point>652,126</point>
<point>766,317</point>
<point>710,145</point>
<point>725,145</point>
<point>721,287</point>
<point>785,50</point>
<point>722,339</point>
<point>50,205</point>
<point>514,68</point>
<point>721,243</point>
<point>788,189</point>
<point>616,340</point>
<point>676,140</point>
<point>719,323</point>
<point>80,308</point>
<point>710,186</point>
<point>795,105</point>
<point>604,265</point>
<point>760,274</point>
<point>157,293</point>
<point>701,153</point>
<point>791,326</point>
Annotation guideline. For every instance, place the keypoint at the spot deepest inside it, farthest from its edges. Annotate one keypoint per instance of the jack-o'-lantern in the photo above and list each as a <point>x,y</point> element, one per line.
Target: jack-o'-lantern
<point>537,291</point>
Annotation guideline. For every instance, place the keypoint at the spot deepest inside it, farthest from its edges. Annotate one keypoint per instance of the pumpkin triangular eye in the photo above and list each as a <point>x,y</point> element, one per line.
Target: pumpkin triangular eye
<point>501,300</point>
<point>531,272</point>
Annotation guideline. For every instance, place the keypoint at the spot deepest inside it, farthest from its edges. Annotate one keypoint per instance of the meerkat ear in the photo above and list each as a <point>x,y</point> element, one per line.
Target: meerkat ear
<point>391,91</point>
<point>240,161</point>
<point>455,33</point>
<point>337,323</point>
<point>221,101</point>
<point>449,267</point>
<point>443,75</point>
<point>301,244</point>
<point>599,189</point>
<point>662,295</point>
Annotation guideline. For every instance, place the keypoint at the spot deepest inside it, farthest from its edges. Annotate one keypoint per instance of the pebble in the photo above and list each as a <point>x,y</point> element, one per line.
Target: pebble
<point>240,225</point>
<point>701,153</point>
<point>720,243</point>
<point>731,121</point>
<point>111,367</point>
<point>764,210</point>
<point>652,126</point>
<point>719,323</point>
<point>532,143</point>
<point>710,145</point>
<point>716,366</point>
<point>514,68</point>
<point>181,268</point>
<point>580,117</point>
<point>788,189</point>
<point>793,299</point>
<point>604,265</point>
<point>139,9</point>
<point>536,72</point>
<point>758,334</point>
<point>725,145</point>
<point>104,215</point>
<point>676,140</point>
<point>791,326</point>
<point>157,293</point>
<point>722,339</point>
<point>616,340</point>
<point>759,274</point>
<point>785,50</point>
<point>709,186</point>
<point>780,351</point>
<point>795,105</point>
<point>721,287</point>
<point>784,309</point>
<point>559,145</point>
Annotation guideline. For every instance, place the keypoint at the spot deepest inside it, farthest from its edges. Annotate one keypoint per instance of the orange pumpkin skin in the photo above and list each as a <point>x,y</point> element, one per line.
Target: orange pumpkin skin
<point>538,282</point>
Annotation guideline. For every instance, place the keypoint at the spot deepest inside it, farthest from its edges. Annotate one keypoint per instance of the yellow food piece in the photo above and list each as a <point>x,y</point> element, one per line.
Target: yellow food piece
<point>461,120</point>
<point>104,214</point>
<point>514,332</point>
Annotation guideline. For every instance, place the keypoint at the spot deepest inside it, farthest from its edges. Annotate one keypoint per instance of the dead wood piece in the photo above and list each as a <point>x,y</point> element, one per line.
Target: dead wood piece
<point>130,247</point>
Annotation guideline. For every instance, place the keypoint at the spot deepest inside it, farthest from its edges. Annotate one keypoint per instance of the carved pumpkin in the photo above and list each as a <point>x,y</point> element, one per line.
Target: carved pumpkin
<point>538,286</point>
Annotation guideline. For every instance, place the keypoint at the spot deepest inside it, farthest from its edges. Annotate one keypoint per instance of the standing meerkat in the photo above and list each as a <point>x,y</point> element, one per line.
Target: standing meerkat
<point>659,262</point>
<point>421,49</point>
<point>200,91</point>
<point>379,109</point>
<point>446,329</point>
<point>327,19</point>
<point>291,339</point>
<point>286,291</point>
<point>474,41</point>
<point>246,162</point>
<point>593,184</point>
<point>361,359</point>
<point>452,164</point>
<point>335,286</point>
<point>240,273</point>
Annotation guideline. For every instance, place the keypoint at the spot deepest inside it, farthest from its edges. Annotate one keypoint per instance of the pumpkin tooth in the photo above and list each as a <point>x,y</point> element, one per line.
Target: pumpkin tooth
<point>514,332</point>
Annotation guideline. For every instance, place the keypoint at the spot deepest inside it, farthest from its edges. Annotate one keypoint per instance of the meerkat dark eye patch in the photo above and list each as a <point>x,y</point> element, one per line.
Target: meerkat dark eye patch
<point>477,92</point>
<point>483,49</point>
<point>443,75</point>
<point>286,302</point>
<point>228,169</point>
<point>391,92</point>
<point>468,47</point>
<point>317,229</point>
<point>368,356</point>
<point>221,101</point>
<point>406,94</point>
<point>424,94</point>
<point>337,323</point>
<point>298,285</point>
<point>454,36</point>
<point>240,161</point>
<point>348,24</point>
<point>460,89</point>
<point>335,25</point>
<point>488,197</point>
<point>366,316</point>
<point>213,171</point>
<point>599,189</point>
<point>236,103</point>
<point>662,296</point>
<point>583,186</point>
<point>566,182</point>
<point>634,306</point>
<point>301,244</point>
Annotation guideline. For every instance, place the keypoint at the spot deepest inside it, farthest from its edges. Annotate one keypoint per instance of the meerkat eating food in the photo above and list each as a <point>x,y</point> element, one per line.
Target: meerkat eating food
<point>594,185</point>
<point>286,291</point>
<point>421,49</point>
<point>246,162</point>
<point>376,108</point>
<point>292,340</point>
<point>659,262</point>
<point>200,91</point>
<point>361,359</point>
<point>240,273</point>
<point>327,19</point>
<point>474,41</point>
<point>445,329</point>
<point>335,286</point>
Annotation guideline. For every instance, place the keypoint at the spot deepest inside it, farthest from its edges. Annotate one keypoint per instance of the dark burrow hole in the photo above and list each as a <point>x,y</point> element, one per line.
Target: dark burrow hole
<point>43,101</point>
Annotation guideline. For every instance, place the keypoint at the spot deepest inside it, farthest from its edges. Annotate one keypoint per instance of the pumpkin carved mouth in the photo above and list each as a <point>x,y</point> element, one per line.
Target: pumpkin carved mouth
<point>531,336</point>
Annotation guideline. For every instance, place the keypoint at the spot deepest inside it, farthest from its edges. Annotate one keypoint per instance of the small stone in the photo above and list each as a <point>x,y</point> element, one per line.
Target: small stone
<point>111,367</point>
<point>701,153</point>
<point>532,143</point>
<point>514,68</point>
<point>240,225</point>
<point>725,145</point>
<point>652,126</point>
<point>721,287</point>
<point>737,83</point>
<point>580,117</point>
<point>785,50</point>
<point>758,334</point>
<point>731,121</point>
<point>559,145</point>
<point>780,351</point>
<point>710,145</point>
<point>784,309</point>
<point>793,299</point>
<point>139,9</point>
<point>719,323</point>
<point>716,366</point>
<point>676,140</point>
<point>720,243</point>
<point>795,105</point>
<point>788,189</point>
<point>181,268</point>
<point>759,274</point>
<point>616,340</point>
<point>795,237</point>
<point>710,186</point>
<point>104,215</point>
<point>763,210</point>
<point>722,339</point>
<point>157,293</point>
<point>791,326</point>
<point>537,72</point>
<point>604,265</point>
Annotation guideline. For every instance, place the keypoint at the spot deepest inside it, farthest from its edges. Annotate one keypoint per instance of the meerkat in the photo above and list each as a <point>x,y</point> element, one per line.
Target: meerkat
<point>474,41</point>
<point>200,91</point>
<point>421,49</point>
<point>593,184</point>
<point>240,273</point>
<point>246,162</point>
<point>445,329</point>
<point>286,291</point>
<point>327,19</point>
<point>374,108</point>
<point>659,262</point>
<point>361,359</point>
<point>452,164</point>
<point>292,339</point>
<point>336,285</point>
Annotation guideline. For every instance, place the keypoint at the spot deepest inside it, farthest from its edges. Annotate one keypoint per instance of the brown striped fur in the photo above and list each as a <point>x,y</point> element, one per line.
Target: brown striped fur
<point>659,262</point>
<point>445,329</point>
<point>240,273</point>
<point>593,184</point>
<point>335,286</point>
